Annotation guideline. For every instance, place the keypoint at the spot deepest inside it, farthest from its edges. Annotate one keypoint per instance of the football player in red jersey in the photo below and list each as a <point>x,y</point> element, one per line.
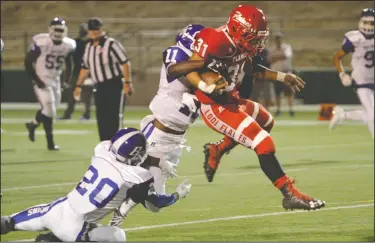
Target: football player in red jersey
<point>235,43</point>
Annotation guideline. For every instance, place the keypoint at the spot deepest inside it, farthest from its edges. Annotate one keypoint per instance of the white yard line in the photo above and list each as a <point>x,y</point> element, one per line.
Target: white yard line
<point>226,174</point>
<point>249,216</point>
<point>243,217</point>
<point>356,166</point>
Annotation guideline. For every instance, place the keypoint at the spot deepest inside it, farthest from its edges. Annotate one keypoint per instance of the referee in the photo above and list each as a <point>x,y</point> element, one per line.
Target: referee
<point>106,61</point>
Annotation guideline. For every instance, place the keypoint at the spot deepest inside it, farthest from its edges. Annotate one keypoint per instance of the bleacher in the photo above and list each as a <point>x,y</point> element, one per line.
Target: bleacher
<point>145,33</point>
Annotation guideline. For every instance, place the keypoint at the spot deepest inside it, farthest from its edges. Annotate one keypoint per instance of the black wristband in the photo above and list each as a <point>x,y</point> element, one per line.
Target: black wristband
<point>128,82</point>
<point>78,86</point>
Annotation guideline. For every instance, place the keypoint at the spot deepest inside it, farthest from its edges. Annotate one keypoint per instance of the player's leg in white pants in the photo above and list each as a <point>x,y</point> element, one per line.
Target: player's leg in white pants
<point>163,146</point>
<point>365,114</point>
<point>60,219</point>
<point>56,216</point>
<point>49,98</point>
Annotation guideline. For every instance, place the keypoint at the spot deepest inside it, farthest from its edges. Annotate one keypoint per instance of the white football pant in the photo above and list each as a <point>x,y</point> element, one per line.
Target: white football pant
<point>59,218</point>
<point>366,114</point>
<point>49,99</point>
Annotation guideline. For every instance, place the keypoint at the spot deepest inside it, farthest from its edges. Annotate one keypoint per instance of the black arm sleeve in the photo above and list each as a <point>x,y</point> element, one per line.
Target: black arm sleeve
<point>30,58</point>
<point>145,192</point>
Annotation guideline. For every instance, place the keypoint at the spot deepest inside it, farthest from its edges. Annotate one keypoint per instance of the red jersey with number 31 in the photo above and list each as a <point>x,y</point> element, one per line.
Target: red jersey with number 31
<point>217,43</point>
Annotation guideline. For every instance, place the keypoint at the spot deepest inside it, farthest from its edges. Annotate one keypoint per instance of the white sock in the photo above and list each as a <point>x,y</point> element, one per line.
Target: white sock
<point>127,206</point>
<point>354,115</point>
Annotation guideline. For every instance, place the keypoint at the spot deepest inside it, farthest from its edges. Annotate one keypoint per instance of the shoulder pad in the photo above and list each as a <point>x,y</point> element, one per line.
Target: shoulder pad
<point>70,43</point>
<point>41,39</point>
<point>352,35</point>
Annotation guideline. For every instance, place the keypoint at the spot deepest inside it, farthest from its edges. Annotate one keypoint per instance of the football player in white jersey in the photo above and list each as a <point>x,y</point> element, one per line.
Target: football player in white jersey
<point>174,109</point>
<point>361,44</point>
<point>113,177</point>
<point>44,61</point>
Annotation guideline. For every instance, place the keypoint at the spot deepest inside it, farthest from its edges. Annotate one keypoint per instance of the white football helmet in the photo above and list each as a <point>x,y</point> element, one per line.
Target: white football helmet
<point>58,29</point>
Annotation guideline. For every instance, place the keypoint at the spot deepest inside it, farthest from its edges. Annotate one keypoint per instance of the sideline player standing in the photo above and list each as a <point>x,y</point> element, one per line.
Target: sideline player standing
<point>361,44</point>
<point>112,177</point>
<point>43,63</point>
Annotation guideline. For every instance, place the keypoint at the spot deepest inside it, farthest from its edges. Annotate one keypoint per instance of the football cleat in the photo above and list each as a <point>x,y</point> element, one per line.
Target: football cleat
<point>212,159</point>
<point>53,148</point>
<point>7,225</point>
<point>117,218</point>
<point>31,128</point>
<point>338,113</point>
<point>47,237</point>
<point>294,199</point>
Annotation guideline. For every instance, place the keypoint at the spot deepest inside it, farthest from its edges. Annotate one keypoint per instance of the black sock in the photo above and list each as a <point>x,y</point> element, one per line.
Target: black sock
<point>39,116</point>
<point>47,124</point>
<point>271,166</point>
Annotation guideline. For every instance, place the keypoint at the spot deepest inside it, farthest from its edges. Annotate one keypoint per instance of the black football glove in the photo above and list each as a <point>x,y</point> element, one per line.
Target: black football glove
<point>218,66</point>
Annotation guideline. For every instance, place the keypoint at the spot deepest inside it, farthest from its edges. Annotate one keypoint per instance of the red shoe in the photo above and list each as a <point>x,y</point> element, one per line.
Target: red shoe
<point>294,199</point>
<point>212,159</point>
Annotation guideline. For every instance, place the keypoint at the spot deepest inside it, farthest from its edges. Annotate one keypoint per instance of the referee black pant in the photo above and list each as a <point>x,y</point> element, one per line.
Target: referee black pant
<point>107,102</point>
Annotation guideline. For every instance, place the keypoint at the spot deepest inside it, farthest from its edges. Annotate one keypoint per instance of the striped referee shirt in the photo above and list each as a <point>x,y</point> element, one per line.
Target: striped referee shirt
<point>104,60</point>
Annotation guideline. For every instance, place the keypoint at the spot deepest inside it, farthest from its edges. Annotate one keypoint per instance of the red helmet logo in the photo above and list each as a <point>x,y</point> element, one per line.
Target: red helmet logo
<point>247,26</point>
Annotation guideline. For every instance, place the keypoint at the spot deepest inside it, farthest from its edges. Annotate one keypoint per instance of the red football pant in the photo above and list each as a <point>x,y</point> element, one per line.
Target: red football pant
<point>258,112</point>
<point>232,120</point>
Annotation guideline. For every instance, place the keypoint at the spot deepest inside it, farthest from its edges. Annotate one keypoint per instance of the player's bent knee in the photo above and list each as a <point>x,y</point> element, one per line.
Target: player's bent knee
<point>269,125</point>
<point>264,144</point>
<point>107,233</point>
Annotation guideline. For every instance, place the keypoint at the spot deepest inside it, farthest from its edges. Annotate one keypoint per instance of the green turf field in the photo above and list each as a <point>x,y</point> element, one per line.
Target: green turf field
<point>240,205</point>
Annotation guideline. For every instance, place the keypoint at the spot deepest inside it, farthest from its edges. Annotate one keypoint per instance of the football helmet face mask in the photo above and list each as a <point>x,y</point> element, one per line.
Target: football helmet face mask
<point>366,22</point>
<point>129,146</point>
<point>58,29</point>
<point>187,36</point>
<point>247,27</point>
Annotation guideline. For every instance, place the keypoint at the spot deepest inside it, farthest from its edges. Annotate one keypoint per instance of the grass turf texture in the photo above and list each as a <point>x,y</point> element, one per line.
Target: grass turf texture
<point>333,166</point>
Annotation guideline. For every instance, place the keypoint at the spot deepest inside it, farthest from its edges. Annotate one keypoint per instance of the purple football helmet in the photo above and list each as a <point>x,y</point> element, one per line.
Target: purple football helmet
<point>187,35</point>
<point>129,146</point>
<point>366,23</point>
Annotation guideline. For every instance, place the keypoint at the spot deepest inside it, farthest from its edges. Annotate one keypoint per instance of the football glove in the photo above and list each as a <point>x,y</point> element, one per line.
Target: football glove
<point>346,80</point>
<point>183,189</point>
<point>168,168</point>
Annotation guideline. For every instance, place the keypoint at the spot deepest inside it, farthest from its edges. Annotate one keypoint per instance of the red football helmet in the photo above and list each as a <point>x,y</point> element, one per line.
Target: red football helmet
<point>247,26</point>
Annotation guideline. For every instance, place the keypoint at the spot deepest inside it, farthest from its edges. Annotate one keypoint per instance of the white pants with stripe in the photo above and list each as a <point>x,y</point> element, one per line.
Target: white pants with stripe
<point>366,114</point>
<point>164,146</point>
<point>49,99</point>
<point>64,223</point>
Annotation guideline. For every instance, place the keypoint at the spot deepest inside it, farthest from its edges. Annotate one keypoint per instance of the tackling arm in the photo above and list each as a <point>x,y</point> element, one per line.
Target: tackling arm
<point>185,67</point>
<point>145,191</point>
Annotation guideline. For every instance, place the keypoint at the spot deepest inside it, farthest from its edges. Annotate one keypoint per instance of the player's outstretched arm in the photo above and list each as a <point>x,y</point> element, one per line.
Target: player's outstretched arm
<point>291,80</point>
<point>143,192</point>
<point>31,57</point>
